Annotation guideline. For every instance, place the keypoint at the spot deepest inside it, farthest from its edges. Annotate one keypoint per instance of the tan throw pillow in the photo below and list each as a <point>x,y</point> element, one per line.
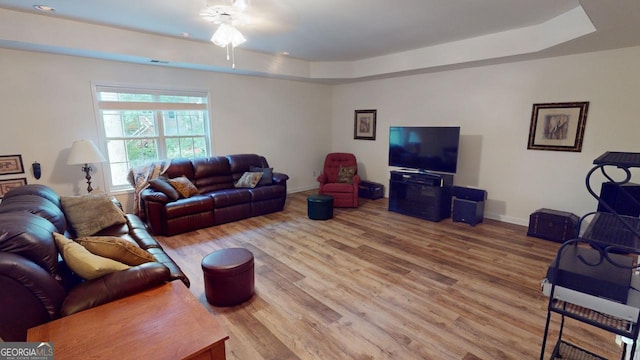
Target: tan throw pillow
<point>82,262</point>
<point>345,174</point>
<point>249,180</point>
<point>184,186</point>
<point>115,248</point>
<point>89,214</point>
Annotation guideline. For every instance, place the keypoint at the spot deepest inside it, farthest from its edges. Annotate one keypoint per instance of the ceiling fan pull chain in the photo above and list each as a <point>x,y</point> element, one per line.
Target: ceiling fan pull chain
<point>228,52</point>
<point>233,58</point>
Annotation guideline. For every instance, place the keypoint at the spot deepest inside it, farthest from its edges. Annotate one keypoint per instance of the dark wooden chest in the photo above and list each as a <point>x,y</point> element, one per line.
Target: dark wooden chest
<point>553,225</point>
<point>370,190</point>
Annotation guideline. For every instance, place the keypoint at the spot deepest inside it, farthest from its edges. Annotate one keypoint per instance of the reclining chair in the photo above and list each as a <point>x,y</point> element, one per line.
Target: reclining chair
<point>340,179</point>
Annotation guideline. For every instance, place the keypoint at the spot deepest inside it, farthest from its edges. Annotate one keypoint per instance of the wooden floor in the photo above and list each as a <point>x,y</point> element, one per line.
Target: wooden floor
<point>374,284</point>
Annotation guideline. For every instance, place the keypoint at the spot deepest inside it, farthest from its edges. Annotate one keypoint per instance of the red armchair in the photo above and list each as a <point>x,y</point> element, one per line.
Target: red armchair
<point>340,179</point>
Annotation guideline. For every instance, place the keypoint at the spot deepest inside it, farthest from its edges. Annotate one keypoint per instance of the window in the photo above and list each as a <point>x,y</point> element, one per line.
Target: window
<point>142,125</point>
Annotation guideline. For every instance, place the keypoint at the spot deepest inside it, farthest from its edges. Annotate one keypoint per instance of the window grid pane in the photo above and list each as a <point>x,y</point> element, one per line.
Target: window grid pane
<point>136,134</point>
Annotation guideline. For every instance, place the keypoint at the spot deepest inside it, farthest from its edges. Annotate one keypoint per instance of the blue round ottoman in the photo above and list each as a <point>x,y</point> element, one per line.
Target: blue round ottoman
<point>320,207</point>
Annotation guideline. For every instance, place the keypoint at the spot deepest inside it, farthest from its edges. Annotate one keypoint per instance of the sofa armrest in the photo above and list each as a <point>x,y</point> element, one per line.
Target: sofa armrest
<point>114,286</point>
<point>153,195</point>
<point>322,178</point>
<point>356,180</point>
<point>30,296</point>
<point>280,178</point>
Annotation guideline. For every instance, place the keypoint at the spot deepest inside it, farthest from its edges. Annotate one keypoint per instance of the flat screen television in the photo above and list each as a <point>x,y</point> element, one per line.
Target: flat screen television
<point>426,148</point>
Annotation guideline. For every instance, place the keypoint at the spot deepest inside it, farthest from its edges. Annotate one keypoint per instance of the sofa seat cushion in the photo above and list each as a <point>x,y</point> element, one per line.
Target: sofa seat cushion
<point>267,192</point>
<point>229,197</point>
<point>193,205</point>
<point>338,188</point>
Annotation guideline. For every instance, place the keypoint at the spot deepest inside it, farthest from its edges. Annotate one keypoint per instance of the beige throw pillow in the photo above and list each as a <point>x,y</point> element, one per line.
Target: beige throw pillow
<point>184,186</point>
<point>82,262</point>
<point>115,248</point>
<point>249,180</point>
<point>91,213</point>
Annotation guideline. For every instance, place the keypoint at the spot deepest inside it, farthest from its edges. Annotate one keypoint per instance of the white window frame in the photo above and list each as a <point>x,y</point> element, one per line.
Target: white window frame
<point>157,108</point>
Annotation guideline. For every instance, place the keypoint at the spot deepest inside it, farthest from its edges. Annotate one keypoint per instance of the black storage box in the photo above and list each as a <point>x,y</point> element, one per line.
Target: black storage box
<point>553,225</point>
<point>605,280</point>
<point>468,205</point>
<point>370,190</point>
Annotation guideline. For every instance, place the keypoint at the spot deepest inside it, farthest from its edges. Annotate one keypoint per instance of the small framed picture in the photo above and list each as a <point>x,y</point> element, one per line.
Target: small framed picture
<point>11,164</point>
<point>8,184</point>
<point>558,126</point>
<point>364,126</point>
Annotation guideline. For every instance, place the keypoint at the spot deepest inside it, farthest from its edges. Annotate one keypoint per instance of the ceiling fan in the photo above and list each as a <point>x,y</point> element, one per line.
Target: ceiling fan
<point>227,16</point>
<point>259,19</point>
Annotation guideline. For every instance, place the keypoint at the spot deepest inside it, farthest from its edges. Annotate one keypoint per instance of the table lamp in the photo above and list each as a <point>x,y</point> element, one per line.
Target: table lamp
<point>85,152</point>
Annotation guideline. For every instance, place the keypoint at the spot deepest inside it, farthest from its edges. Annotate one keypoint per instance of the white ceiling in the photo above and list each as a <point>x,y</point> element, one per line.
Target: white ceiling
<point>356,31</point>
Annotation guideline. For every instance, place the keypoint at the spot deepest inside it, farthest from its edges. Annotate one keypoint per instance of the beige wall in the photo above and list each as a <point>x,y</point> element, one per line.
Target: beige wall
<point>46,103</point>
<point>493,104</point>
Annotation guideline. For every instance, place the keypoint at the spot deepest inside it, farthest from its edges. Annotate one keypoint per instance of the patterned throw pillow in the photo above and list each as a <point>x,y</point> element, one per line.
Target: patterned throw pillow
<point>184,186</point>
<point>346,174</point>
<point>249,180</point>
<point>91,213</point>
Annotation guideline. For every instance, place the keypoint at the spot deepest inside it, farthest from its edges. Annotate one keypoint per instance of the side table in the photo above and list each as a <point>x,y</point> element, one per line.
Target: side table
<point>166,322</point>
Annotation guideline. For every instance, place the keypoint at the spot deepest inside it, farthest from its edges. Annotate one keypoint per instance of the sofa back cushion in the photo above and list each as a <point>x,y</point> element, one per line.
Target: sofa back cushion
<point>34,189</point>
<point>29,235</point>
<point>36,205</point>
<point>212,174</point>
<point>241,163</point>
<point>180,167</point>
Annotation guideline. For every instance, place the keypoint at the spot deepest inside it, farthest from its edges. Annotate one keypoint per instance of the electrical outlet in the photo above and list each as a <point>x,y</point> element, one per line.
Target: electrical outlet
<point>314,173</point>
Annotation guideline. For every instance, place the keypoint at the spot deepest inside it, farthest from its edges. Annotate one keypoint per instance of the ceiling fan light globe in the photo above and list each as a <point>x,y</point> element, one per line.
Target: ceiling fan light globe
<point>237,38</point>
<point>227,34</point>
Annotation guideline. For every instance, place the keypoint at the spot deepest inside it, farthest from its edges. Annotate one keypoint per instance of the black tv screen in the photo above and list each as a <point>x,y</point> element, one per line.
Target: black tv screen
<point>426,148</point>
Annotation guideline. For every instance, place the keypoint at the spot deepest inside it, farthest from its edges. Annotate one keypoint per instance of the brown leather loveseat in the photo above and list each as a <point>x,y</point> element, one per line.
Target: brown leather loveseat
<point>217,200</point>
<point>37,285</point>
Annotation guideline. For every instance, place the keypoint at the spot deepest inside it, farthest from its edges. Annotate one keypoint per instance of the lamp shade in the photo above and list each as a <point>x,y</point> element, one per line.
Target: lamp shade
<point>84,152</point>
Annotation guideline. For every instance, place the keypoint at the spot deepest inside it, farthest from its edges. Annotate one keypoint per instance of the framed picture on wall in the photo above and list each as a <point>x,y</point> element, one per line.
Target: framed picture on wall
<point>11,164</point>
<point>558,126</point>
<point>8,184</point>
<point>364,126</point>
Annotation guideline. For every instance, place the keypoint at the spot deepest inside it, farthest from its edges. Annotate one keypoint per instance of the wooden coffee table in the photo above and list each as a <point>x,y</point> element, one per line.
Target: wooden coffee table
<point>166,322</point>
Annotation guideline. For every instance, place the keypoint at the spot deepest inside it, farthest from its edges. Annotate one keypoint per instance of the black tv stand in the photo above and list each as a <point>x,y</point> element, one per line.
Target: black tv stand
<point>423,195</point>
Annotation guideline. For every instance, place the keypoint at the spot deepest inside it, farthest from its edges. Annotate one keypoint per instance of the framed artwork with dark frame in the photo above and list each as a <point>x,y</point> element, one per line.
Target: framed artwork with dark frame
<point>8,184</point>
<point>364,125</point>
<point>558,126</point>
<point>11,164</point>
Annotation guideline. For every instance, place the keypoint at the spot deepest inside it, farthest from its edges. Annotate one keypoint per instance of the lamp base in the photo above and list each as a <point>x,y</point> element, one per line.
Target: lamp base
<point>87,170</point>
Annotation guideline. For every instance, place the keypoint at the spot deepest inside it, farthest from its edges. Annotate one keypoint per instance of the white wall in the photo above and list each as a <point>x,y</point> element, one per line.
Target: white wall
<point>46,103</point>
<point>493,104</point>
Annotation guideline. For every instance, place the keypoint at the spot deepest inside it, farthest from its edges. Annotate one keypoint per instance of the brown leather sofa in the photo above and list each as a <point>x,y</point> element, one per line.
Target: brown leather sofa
<point>218,201</point>
<point>36,284</point>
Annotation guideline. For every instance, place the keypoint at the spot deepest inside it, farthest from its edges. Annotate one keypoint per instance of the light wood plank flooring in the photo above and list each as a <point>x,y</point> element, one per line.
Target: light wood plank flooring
<point>374,284</point>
